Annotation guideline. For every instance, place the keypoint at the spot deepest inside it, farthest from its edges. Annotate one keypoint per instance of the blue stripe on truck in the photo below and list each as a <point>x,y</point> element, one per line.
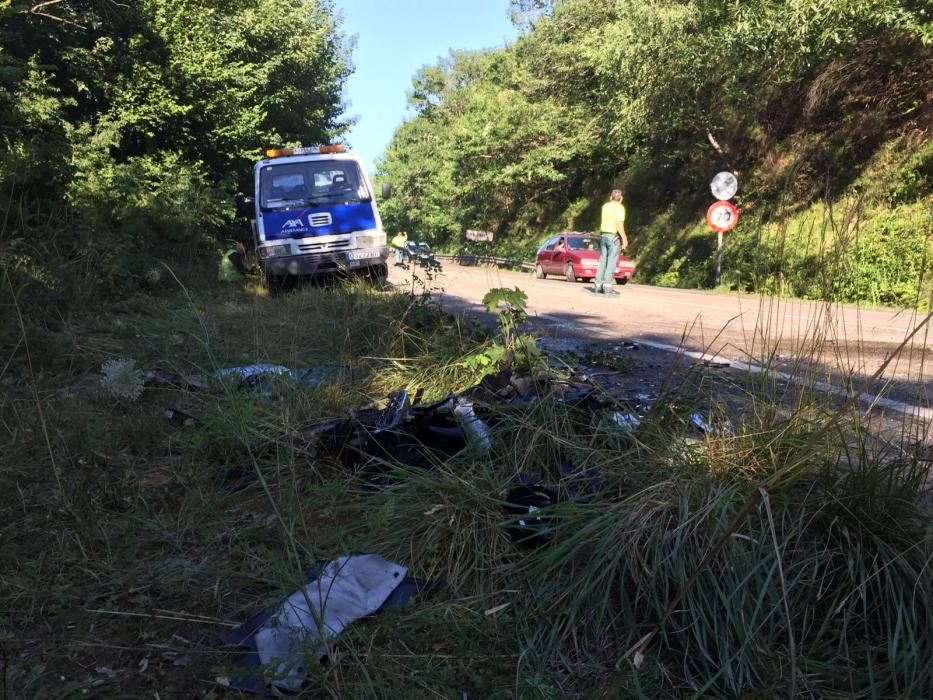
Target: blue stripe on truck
<point>345,218</point>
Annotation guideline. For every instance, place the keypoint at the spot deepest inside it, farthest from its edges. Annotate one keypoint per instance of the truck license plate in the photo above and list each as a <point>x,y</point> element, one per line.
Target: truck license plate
<point>363,254</point>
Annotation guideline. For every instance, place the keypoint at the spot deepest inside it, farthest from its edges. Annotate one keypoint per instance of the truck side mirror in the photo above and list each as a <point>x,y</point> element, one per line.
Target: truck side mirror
<point>244,206</point>
<point>386,190</point>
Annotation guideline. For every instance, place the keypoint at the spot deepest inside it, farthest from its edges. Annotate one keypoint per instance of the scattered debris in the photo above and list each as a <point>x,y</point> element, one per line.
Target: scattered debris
<point>171,380</point>
<point>521,385</point>
<point>720,427</point>
<point>529,502</point>
<point>246,377</point>
<point>156,480</point>
<point>627,421</point>
<point>180,417</point>
<point>497,609</point>
<point>337,594</point>
<point>715,364</point>
<point>476,431</point>
<point>252,376</point>
<point>526,503</point>
<point>417,436</point>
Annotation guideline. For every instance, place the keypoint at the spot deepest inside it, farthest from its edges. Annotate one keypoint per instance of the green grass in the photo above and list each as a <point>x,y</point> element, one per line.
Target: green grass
<point>129,542</point>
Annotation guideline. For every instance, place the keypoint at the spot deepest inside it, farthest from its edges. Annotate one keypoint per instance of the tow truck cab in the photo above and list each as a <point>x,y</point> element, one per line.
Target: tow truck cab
<point>314,212</point>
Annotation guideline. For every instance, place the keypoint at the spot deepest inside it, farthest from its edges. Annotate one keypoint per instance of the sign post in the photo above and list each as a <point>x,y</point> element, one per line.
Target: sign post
<point>718,257</point>
<point>722,215</point>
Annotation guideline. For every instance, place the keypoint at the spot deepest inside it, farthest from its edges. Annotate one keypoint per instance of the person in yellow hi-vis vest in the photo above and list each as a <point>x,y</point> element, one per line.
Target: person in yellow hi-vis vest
<point>232,263</point>
<point>399,244</point>
<point>612,241</point>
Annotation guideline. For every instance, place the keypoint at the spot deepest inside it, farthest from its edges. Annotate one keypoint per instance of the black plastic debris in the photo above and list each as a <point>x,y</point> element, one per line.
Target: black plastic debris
<point>172,380</point>
<point>530,525</point>
<point>276,642</point>
<point>529,505</point>
<point>180,417</point>
<point>421,436</point>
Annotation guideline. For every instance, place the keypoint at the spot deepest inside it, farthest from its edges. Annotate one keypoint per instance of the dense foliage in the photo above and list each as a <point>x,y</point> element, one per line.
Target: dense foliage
<point>123,127</point>
<point>798,97</point>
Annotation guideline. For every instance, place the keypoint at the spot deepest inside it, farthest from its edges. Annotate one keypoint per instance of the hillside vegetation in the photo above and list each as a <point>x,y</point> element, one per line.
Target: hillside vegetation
<point>822,107</point>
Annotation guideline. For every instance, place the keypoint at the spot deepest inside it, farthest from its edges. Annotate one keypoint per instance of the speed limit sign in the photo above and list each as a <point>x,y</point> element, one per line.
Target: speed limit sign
<point>722,216</point>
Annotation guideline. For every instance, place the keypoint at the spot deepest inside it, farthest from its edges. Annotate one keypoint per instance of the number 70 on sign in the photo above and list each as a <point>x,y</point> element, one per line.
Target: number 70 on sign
<point>722,216</point>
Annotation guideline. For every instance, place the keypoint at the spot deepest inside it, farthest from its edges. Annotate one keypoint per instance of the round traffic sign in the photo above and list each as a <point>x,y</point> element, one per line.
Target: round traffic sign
<point>722,216</point>
<point>724,185</point>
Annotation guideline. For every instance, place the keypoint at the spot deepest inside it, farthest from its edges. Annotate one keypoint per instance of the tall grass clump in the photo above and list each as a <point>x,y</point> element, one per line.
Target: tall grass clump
<point>802,594</point>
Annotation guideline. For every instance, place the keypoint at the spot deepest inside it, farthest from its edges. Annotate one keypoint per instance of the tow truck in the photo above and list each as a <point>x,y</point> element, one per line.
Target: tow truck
<point>313,213</point>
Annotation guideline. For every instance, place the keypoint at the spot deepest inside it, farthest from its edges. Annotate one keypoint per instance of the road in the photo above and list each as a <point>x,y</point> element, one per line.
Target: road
<point>829,342</point>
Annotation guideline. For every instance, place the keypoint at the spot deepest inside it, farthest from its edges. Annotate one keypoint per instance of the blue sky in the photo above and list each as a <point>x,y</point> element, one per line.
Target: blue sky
<point>397,37</point>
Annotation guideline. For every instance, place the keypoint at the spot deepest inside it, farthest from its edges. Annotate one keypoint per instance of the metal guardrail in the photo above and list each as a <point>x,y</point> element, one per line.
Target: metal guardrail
<point>470,260</point>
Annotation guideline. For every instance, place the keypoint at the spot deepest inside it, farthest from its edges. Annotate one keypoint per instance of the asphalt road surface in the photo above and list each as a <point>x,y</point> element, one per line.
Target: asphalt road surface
<point>842,345</point>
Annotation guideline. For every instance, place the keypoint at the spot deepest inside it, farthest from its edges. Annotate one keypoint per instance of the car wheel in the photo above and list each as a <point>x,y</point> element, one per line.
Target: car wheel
<point>568,273</point>
<point>539,272</point>
<point>622,280</point>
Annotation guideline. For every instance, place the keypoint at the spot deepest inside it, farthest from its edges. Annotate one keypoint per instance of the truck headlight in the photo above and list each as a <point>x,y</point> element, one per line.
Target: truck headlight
<point>274,251</point>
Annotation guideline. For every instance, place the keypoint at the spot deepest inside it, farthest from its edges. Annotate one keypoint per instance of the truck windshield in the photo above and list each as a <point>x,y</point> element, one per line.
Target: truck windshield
<point>285,185</point>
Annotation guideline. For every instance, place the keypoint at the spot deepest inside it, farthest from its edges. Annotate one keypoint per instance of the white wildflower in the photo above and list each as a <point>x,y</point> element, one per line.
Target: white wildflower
<point>153,276</point>
<point>122,379</point>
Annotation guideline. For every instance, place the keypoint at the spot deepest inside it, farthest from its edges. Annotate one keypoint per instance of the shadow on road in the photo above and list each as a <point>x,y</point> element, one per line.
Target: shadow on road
<point>787,374</point>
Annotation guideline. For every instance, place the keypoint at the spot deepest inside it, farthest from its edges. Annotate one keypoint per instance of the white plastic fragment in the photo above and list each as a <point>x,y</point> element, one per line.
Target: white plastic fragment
<point>348,588</point>
<point>471,425</point>
<point>627,421</point>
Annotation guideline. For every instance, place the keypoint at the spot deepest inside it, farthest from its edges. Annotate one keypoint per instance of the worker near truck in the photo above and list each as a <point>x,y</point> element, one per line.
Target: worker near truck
<point>399,244</point>
<point>612,241</point>
<point>232,263</point>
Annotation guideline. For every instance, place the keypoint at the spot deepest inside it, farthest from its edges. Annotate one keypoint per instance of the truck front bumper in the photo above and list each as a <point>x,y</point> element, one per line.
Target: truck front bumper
<point>320,263</point>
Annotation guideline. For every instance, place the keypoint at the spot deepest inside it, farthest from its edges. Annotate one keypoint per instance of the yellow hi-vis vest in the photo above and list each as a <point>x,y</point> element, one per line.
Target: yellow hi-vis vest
<point>227,272</point>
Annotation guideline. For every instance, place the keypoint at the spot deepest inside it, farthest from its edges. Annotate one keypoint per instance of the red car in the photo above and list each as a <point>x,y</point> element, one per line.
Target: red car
<point>576,256</point>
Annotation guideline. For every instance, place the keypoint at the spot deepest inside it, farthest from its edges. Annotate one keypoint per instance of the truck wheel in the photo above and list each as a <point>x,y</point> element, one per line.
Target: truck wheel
<point>273,284</point>
<point>378,275</point>
<point>539,272</point>
<point>568,273</point>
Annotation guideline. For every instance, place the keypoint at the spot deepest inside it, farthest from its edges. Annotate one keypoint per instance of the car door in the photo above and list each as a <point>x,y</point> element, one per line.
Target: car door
<point>559,256</point>
<point>546,254</point>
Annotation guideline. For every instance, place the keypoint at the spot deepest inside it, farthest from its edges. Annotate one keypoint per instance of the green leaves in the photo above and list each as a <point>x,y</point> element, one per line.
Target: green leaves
<point>129,124</point>
<point>514,300</point>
